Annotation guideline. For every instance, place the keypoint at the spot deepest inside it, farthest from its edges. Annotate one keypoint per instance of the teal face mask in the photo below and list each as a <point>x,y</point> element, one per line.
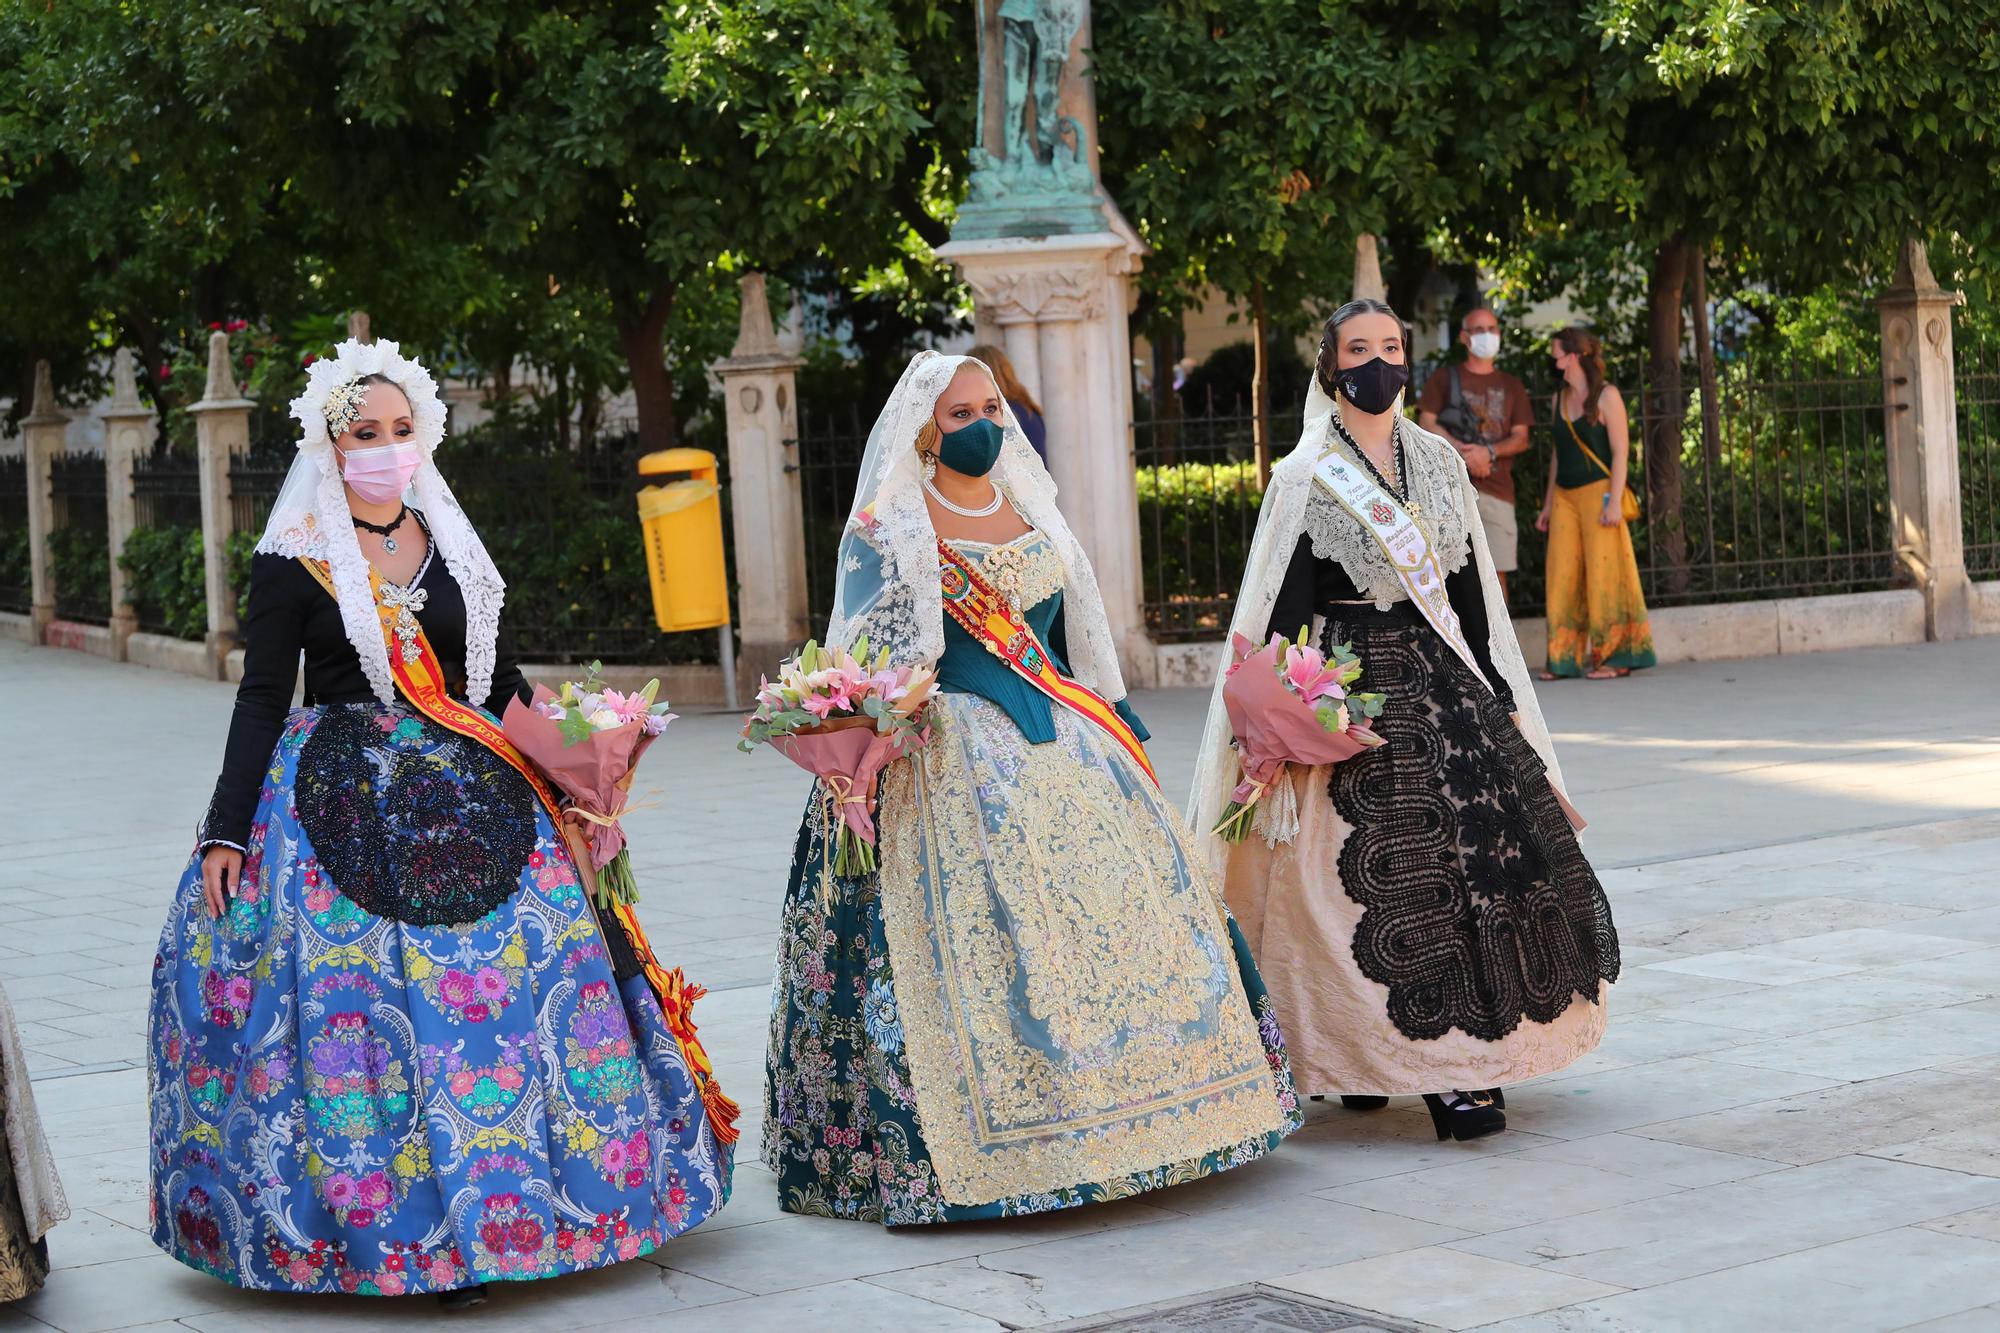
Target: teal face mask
<point>972,449</point>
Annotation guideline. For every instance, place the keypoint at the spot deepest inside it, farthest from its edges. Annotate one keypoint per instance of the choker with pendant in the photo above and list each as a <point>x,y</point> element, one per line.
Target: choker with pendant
<point>386,531</point>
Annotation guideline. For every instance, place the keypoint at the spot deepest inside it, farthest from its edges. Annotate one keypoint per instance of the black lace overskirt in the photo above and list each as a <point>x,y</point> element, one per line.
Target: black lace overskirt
<point>1479,909</point>
<point>412,821</point>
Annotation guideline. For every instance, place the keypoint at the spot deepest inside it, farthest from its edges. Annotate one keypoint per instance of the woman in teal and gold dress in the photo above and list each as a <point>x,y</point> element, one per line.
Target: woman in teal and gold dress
<point>1038,1001</point>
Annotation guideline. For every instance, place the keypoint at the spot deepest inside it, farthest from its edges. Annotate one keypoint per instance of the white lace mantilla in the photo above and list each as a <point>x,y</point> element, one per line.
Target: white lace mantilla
<point>1431,477</point>
<point>886,585</point>
<point>310,517</point>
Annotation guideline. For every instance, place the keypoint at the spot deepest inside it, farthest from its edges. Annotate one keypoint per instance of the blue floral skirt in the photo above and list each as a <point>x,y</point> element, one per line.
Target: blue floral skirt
<point>1036,1003</point>
<point>345,1100</point>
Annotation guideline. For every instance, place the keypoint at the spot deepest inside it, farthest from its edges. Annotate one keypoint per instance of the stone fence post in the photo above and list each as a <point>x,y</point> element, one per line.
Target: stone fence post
<point>130,429</point>
<point>222,433</point>
<point>1921,410</point>
<point>42,439</point>
<point>766,511</point>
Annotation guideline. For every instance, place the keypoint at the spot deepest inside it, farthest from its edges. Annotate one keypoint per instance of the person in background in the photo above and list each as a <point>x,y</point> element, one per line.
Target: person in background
<point>1598,626</point>
<point>1484,412</point>
<point>1027,412</point>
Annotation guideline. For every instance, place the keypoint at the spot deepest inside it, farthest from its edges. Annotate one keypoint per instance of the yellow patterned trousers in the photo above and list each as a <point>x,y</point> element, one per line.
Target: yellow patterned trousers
<point>1597,614</point>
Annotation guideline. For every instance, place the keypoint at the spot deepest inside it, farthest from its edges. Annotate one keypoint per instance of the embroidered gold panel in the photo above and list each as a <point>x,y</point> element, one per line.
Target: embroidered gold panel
<point>1071,1005</point>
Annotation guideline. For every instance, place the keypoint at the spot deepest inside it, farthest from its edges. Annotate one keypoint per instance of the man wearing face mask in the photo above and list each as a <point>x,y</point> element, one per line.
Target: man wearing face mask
<point>1485,412</point>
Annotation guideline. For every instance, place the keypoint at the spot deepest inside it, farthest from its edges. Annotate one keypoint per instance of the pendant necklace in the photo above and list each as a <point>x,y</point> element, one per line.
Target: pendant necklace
<point>961,510</point>
<point>386,531</point>
<point>1396,488</point>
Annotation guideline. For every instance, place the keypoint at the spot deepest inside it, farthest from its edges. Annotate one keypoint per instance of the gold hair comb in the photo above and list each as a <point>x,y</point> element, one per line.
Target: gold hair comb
<point>343,407</point>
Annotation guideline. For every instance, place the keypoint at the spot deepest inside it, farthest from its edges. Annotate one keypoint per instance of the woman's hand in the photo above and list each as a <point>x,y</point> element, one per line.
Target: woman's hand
<point>1609,515</point>
<point>221,871</point>
<point>1542,520</point>
<point>874,786</point>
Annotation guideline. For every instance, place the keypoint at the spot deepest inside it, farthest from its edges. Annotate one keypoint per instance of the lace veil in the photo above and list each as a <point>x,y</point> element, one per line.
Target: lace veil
<point>887,583</point>
<point>1291,508</point>
<point>311,518</point>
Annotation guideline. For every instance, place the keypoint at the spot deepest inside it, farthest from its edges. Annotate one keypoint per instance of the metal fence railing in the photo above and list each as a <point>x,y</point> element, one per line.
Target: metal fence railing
<point>79,537</point>
<point>16,593</point>
<point>1783,492</point>
<point>1198,497</point>
<point>1978,377</point>
<point>563,528</point>
<point>166,489</point>
<point>828,463</point>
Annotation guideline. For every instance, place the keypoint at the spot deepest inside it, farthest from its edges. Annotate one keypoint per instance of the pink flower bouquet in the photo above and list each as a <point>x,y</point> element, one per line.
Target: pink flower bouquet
<point>843,718</point>
<point>1288,705</point>
<point>587,740</point>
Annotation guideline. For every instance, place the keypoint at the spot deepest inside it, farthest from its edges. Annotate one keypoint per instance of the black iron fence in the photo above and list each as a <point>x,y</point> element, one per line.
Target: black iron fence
<point>166,489</point>
<point>563,528</point>
<point>1198,498</point>
<point>1978,376</point>
<point>16,576</point>
<point>828,461</point>
<point>255,478</point>
<point>1783,491</point>
<point>79,549</point>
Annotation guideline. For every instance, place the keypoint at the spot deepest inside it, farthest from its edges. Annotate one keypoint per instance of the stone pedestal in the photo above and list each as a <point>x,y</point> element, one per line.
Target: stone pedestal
<point>130,429</point>
<point>1926,523</point>
<point>42,439</point>
<point>222,433</point>
<point>766,511</point>
<point>1060,303</point>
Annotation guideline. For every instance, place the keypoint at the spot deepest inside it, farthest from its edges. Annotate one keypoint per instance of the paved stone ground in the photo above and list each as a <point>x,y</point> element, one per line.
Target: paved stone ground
<point>1791,1124</point>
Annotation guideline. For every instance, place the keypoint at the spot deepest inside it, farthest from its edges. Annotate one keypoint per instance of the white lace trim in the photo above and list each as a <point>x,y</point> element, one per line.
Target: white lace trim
<point>311,518</point>
<point>43,1203</point>
<point>897,539</point>
<point>1431,478</point>
<point>1280,521</point>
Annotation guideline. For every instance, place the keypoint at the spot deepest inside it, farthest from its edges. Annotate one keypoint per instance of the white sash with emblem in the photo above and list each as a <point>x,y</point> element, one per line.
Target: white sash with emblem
<point>1402,541</point>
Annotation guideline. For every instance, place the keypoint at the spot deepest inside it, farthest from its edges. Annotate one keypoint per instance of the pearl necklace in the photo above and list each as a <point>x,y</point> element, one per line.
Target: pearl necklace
<point>961,510</point>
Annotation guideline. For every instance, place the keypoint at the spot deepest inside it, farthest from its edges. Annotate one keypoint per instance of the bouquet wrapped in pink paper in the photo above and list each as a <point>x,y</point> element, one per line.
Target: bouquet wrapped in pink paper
<point>843,718</point>
<point>587,739</point>
<point>1288,705</point>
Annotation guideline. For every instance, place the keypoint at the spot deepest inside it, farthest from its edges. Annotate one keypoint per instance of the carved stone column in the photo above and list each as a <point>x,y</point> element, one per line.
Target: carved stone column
<point>42,439</point>
<point>1061,303</point>
<point>222,433</point>
<point>766,511</point>
<point>1926,522</point>
<point>130,428</point>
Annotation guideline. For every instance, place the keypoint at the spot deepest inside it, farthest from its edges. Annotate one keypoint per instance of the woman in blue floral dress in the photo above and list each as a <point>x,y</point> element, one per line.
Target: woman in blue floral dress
<point>392,1049</point>
<point>1038,1001</point>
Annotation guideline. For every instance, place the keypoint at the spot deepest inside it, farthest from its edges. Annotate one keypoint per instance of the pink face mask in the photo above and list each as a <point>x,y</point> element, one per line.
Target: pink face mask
<point>380,475</point>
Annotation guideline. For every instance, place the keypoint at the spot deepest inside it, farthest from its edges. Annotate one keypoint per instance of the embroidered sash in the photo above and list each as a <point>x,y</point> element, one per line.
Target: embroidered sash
<point>983,613</point>
<point>421,680</point>
<point>1402,541</point>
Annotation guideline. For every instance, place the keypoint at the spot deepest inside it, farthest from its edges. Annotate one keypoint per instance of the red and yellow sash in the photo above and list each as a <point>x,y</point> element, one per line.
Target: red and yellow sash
<point>983,613</point>
<point>421,681</point>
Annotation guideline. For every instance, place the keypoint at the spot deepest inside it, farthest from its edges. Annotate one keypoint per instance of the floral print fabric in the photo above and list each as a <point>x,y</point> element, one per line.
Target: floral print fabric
<point>843,1128</point>
<point>343,1101</point>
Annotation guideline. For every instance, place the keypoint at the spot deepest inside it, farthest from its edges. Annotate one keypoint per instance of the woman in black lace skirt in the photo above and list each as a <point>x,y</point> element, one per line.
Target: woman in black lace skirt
<point>1422,913</point>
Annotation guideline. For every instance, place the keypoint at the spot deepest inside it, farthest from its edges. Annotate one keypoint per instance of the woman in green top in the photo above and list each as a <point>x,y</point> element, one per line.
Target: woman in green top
<point>1598,626</point>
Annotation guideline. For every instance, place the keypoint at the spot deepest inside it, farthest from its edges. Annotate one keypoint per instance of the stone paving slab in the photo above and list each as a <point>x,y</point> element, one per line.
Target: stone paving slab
<point>1784,1128</point>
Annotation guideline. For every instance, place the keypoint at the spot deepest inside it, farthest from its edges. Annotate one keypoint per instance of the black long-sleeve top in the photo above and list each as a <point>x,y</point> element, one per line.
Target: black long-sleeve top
<point>1315,586</point>
<point>290,612</point>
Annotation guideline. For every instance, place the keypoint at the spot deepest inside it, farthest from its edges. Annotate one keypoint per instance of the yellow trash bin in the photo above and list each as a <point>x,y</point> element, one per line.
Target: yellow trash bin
<point>681,524</point>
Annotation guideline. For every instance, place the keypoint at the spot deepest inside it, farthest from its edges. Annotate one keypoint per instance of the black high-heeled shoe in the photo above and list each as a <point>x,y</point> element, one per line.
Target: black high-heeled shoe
<point>462,1299</point>
<point>1460,1116</point>
<point>1363,1103</point>
<point>1499,1097</point>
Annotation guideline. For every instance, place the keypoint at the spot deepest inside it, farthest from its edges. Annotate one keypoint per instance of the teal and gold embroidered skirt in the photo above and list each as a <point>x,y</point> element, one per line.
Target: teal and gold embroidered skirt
<point>1037,1002</point>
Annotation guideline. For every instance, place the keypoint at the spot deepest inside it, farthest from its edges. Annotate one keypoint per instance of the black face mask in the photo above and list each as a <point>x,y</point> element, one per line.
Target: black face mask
<point>1373,385</point>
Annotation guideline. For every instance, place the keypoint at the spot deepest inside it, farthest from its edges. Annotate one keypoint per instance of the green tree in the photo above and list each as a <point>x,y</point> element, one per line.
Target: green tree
<point>1789,146</point>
